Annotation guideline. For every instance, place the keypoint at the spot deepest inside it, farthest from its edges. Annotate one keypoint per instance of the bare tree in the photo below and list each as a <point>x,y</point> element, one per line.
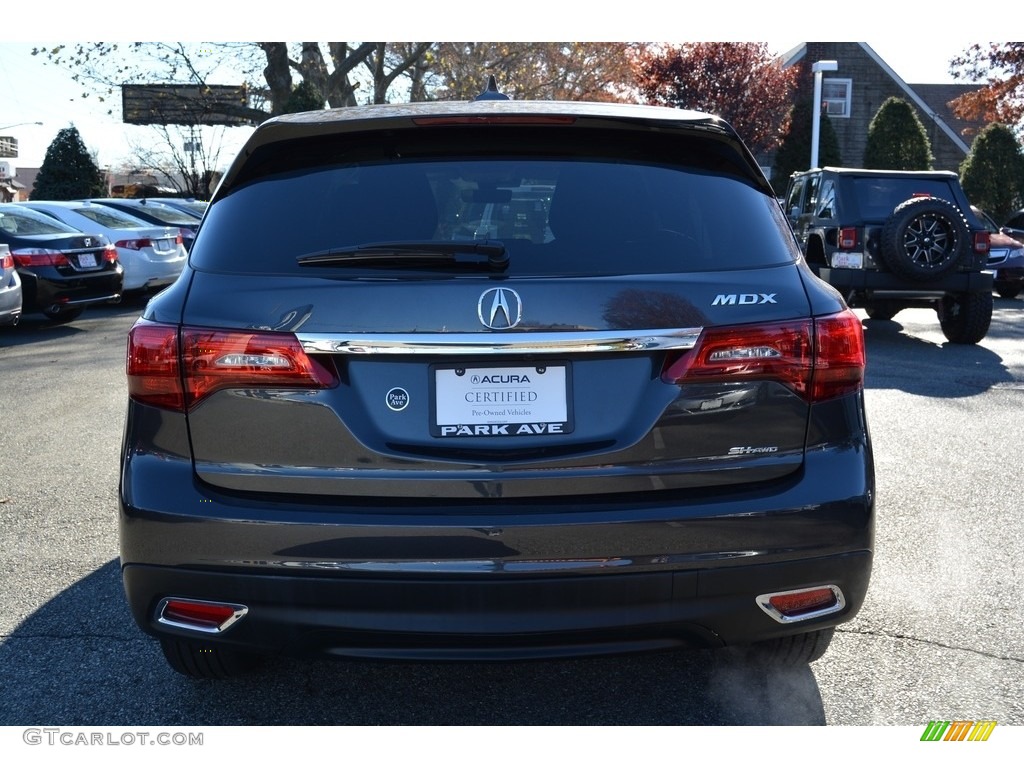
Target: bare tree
<point>184,158</point>
<point>270,71</point>
<point>567,71</point>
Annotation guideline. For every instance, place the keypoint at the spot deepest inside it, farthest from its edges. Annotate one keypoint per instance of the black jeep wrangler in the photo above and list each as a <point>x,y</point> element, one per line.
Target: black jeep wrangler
<point>891,240</point>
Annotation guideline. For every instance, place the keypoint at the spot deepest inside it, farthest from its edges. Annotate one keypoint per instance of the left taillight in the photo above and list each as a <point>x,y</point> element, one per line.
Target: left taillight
<point>153,366</point>
<point>26,258</point>
<point>177,369</point>
<point>818,359</point>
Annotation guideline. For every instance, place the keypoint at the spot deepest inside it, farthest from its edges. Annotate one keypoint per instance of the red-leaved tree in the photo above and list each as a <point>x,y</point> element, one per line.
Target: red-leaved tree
<point>744,83</point>
<point>1001,67</point>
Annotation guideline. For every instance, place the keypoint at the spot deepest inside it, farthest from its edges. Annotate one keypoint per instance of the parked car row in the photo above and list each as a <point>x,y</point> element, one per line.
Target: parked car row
<point>1005,256</point>
<point>58,257</point>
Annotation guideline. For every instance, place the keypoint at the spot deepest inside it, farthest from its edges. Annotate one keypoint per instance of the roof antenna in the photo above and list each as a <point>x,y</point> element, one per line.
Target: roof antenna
<point>491,92</point>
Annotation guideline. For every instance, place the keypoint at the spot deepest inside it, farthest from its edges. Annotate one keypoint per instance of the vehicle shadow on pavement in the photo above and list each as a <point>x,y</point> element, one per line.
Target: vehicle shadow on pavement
<point>900,360</point>
<point>32,330</point>
<point>80,660</point>
<point>35,328</point>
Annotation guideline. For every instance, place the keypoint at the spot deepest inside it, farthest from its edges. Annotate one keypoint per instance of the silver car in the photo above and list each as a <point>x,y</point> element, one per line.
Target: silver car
<point>10,288</point>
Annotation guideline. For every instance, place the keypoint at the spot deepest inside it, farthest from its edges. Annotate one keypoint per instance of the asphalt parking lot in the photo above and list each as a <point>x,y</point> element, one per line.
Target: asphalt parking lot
<point>941,635</point>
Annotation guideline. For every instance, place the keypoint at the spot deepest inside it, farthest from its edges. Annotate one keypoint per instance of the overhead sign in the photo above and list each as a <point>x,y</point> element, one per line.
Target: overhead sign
<point>185,104</point>
<point>8,146</point>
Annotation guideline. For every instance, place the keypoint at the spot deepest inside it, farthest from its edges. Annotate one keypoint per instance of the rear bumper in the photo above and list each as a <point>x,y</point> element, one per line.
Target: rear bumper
<point>1009,275</point>
<point>42,290</point>
<point>889,285</point>
<point>493,578</point>
<point>142,272</point>
<point>10,303</point>
<point>499,618</point>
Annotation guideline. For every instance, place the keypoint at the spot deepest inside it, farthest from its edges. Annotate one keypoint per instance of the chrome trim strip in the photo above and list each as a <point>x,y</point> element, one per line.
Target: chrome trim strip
<point>515,343</point>
<point>764,604</point>
<point>459,566</point>
<point>90,300</point>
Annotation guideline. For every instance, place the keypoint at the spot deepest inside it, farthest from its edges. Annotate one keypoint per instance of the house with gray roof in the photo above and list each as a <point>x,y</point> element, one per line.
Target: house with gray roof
<point>852,94</point>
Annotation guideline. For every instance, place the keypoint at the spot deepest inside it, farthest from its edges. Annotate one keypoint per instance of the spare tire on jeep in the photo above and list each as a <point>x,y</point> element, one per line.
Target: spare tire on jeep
<point>924,238</point>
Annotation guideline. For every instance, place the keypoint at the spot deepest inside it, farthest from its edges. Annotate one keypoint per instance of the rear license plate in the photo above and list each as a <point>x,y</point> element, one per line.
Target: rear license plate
<point>504,401</point>
<point>163,245</point>
<point>87,260</point>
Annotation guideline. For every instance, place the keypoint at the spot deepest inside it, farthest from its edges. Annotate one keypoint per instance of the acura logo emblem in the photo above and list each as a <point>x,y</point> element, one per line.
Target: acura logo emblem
<point>500,309</point>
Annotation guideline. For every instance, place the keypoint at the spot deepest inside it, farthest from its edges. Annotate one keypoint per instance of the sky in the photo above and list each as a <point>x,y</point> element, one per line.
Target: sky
<point>34,91</point>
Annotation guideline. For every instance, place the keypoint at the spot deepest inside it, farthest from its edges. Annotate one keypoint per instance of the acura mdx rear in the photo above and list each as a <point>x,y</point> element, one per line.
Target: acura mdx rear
<point>494,380</point>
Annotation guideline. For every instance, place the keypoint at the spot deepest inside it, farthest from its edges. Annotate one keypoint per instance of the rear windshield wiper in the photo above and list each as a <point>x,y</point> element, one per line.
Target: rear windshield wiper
<point>491,254</point>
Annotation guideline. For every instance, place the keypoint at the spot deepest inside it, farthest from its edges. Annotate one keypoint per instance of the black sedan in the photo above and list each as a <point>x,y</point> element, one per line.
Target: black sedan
<point>62,270</point>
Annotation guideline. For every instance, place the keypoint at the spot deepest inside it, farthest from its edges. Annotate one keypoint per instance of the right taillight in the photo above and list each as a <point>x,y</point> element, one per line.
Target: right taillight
<point>839,356</point>
<point>818,359</point>
<point>176,369</point>
<point>982,241</point>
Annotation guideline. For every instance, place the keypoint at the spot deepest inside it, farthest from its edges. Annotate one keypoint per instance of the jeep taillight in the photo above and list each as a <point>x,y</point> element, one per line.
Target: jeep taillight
<point>818,358</point>
<point>176,369</point>
<point>847,238</point>
<point>982,241</point>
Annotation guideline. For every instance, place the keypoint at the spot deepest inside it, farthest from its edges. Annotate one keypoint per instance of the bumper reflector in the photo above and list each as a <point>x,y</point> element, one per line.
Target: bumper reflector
<point>802,604</point>
<point>198,615</point>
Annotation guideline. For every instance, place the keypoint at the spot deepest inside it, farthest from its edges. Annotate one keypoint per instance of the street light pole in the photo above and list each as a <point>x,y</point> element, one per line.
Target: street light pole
<point>817,68</point>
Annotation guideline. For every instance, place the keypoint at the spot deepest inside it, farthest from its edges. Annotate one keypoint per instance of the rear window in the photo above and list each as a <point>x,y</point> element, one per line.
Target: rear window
<point>110,218</point>
<point>165,215</point>
<point>877,198</point>
<point>27,222</point>
<point>555,216</point>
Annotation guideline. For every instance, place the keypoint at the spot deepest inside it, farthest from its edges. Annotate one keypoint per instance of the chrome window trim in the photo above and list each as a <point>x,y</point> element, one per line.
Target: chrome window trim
<point>515,343</point>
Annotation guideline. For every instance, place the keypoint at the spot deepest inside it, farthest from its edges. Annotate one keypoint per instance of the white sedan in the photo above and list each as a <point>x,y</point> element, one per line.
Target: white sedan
<point>152,256</point>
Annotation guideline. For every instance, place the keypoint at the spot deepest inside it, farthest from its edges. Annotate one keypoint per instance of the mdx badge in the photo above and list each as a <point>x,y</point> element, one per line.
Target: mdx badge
<point>500,309</point>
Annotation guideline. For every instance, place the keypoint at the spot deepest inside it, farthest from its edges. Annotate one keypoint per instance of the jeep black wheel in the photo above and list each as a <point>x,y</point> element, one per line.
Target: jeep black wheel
<point>1008,290</point>
<point>205,661</point>
<point>924,238</point>
<point>965,317</point>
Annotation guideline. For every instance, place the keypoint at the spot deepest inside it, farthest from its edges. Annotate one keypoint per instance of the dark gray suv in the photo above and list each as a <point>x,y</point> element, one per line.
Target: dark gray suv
<point>494,380</point>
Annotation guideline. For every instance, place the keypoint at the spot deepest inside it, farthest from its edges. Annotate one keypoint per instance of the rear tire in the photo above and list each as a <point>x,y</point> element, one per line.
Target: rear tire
<point>1009,290</point>
<point>792,650</point>
<point>64,315</point>
<point>206,661</point>
<point>965,317</point>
